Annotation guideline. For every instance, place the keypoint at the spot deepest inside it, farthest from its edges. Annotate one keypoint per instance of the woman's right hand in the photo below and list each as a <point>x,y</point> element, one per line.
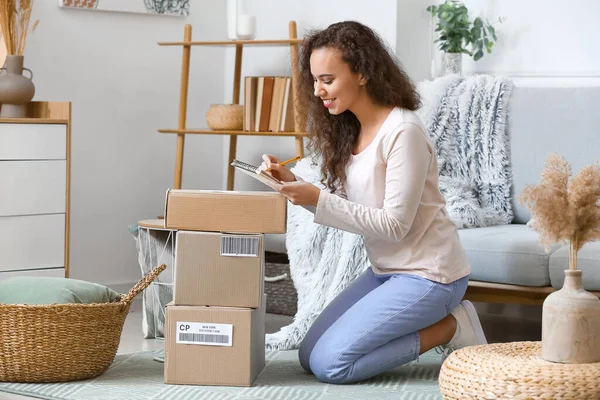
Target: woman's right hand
<point>271,165</point>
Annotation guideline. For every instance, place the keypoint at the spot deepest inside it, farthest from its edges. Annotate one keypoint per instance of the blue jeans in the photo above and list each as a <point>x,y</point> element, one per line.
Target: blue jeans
<point>372,326</point>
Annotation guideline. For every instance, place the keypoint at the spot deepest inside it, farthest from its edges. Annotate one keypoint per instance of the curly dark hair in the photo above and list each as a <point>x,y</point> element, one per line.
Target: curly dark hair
<point>332,137</point>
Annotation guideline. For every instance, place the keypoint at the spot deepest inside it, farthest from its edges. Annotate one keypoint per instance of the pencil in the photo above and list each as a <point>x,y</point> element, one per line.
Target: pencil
<point>290,160</point>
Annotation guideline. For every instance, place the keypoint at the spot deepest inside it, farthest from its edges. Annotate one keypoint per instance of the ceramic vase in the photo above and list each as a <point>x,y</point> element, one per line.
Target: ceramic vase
<point>16,90</point>
<point>452,63</point>
<point>571,323</point>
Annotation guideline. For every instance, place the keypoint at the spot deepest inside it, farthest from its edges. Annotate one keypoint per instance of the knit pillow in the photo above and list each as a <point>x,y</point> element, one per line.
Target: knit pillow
<point>46,290</point>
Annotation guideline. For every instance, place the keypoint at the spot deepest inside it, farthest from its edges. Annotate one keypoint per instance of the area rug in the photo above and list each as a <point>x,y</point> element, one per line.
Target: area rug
<point>138,376</point>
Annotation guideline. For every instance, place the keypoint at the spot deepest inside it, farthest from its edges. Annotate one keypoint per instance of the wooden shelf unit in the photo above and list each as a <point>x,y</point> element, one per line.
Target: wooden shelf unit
<point>233,42</point>
<point>226,132</point>
<point>299,121</point>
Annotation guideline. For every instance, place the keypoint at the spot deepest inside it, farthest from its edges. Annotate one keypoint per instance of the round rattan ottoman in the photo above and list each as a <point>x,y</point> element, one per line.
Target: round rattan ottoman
<point>515,371</point>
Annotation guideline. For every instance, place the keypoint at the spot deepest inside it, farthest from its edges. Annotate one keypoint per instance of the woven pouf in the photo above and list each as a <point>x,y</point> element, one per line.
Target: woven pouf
<point>515,371</point>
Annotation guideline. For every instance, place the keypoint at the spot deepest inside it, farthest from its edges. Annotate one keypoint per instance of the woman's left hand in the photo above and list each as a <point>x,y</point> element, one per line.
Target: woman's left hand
<point>300,193</point>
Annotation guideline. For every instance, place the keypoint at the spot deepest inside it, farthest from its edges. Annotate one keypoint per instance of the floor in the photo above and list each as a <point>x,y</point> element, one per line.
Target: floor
<point>502,323</point>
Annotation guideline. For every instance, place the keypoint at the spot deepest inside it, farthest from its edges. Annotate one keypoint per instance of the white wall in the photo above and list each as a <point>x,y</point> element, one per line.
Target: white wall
<point>124,87</point>
<point>539,43</point>
<point>413,37</point>
<point>273,17</point>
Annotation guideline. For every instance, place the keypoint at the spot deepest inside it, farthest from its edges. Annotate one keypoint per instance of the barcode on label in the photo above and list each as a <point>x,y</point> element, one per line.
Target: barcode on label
<point>204,333</point>
<point>239,246</point>
<point>202,338</point>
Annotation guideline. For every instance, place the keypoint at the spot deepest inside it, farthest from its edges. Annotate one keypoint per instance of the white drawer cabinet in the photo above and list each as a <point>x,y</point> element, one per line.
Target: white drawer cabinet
<point>33,141</point>
<point>35,186</point>
<point>32,187</point>
<point>32,242</point>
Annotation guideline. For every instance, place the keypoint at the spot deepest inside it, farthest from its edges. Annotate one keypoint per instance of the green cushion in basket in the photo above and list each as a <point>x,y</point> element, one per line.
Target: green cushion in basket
<point>46,290</point>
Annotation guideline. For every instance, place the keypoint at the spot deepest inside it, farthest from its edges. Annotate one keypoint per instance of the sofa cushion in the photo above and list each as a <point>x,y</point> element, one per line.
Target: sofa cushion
<point>542,120</point>
<point>588,261</point>
<point>507,254</point>
<point>275,242</point>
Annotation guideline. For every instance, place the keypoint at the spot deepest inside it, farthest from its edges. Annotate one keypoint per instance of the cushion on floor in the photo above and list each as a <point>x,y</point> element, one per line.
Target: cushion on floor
<point>47,290</point>
<point>588,261</point>
<point>508,254</point>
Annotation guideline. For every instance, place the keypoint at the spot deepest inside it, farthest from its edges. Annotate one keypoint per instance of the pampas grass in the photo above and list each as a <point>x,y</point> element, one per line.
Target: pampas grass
<point>562,210</point>
<point>14,20</point>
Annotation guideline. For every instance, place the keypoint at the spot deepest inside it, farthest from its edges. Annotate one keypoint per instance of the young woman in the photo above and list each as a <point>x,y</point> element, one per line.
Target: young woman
<point>380,171</point>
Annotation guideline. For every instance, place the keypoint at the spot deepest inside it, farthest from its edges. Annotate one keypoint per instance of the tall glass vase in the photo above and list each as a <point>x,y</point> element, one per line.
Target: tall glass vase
<point>240,25</point>
<point>232,13</point>
<point>16,90</point>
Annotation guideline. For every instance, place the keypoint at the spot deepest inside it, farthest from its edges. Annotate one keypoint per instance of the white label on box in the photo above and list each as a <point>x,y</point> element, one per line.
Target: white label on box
<point>239,246</point>
<point>204,333</point>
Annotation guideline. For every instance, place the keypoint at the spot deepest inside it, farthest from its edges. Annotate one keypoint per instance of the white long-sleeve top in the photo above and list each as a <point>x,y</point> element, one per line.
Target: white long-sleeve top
<point>394,202</point>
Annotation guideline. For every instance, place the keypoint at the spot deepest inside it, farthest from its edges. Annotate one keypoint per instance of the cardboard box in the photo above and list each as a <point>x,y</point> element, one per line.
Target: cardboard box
<point>219,269</point>
<point>214,345</point>
<point>225,211</point>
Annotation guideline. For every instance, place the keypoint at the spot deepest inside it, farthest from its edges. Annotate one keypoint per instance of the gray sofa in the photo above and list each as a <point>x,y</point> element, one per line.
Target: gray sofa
<point>541,120</point>
<point>509,264</point>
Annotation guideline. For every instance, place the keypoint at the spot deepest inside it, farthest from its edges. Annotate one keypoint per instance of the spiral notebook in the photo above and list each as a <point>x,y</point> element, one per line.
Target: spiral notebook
<point>263,177</point>
<point>256,173</point>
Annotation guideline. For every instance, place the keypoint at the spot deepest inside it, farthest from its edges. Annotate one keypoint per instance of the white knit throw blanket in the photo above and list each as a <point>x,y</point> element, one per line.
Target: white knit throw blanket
<point>466,119</point>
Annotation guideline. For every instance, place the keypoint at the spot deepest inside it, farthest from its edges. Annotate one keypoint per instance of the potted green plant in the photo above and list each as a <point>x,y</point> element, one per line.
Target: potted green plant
<point>459,35</point>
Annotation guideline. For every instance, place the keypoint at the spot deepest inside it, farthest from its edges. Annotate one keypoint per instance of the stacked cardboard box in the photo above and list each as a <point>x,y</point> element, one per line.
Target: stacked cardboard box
<point>215,326</point>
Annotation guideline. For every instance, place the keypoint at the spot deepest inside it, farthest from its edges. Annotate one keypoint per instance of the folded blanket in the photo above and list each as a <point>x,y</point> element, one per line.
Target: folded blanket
<point>466,118</point>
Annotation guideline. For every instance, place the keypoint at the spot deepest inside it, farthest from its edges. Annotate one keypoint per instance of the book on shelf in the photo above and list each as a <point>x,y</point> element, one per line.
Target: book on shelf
<point>268,104</point>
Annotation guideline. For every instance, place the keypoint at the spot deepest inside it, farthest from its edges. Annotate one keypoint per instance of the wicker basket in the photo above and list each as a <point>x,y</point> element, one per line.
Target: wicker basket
<point>282,297</point>
<point>225,117</point>
<point>63,342</point>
